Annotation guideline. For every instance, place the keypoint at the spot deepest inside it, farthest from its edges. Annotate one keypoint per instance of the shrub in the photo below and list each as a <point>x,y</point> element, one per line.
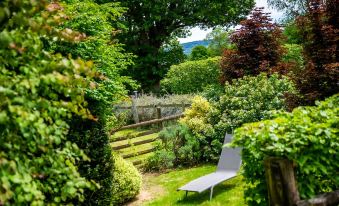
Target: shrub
<point>126,182</point>
<point>40,92</point>
<point>160,160</point>
<point>197,120</point>
<point>213,92</point>
<point>95,21</point>
<point>177,146</point>
<point>249,99</point>
<point>191,76</point>
<point>309,136</point>
<point>196,117</point>
<point>258,48</point>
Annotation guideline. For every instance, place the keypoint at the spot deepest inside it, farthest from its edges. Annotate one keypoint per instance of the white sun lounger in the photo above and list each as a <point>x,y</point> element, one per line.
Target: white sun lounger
<point>228,166</point>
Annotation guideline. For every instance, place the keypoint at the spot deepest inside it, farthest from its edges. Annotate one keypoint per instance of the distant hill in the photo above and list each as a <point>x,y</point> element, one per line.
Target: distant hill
<point>189,45</point>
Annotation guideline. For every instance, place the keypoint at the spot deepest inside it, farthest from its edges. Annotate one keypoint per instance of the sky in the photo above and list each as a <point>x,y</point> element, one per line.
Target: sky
<point>198,34</point>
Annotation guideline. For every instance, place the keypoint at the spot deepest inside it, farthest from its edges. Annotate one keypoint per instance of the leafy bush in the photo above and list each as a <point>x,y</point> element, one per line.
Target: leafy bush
<point>197,120</point>
<point>308,136</point>
<point>126,181</point>
<point>249,99</point>
<point>177,146</point>
<point>40,92</point>
<point>213,92</point>
<point>192,76</point>
<point>160,160</point>
<point>196,117</point>
<point>95,21</point>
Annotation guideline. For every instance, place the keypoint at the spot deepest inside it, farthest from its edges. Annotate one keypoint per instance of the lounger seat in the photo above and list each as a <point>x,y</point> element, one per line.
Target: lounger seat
<point>228,166</point>
<point>206,182</point>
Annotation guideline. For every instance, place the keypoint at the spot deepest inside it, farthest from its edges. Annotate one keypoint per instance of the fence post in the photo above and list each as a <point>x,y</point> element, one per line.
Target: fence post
<point>159,117</point>
<point>135,110</point>
<point>183,107</point>
<point>281,183</point>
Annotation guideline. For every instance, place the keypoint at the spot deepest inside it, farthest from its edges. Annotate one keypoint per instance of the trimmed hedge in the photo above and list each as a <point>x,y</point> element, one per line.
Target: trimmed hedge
<point>308,136</point>
<point>126,182</point>
<point>192,76</point>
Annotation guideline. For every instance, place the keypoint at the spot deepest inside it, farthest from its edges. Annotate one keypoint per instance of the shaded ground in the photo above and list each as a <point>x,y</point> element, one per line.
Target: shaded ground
<point>149,190</point>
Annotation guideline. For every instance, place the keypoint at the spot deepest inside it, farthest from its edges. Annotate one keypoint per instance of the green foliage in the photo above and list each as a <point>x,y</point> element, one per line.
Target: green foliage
<point>219,41</point>
<point>171,53</point>
<point>192,76</point>
<point>249,99</point>
<point>40,92</point>
<point>309,136</point>
<point>196,117</point>
<point>95,21</point>
<point>148,25</point>
<point>161,159</point>
<point>293,54</point>
<point>126,182</point>
<point>292,33</point>
<point>197,120</point>
<point>294,57</point>
<point>291,8</point>
<point>177,146</point>
<point>213,92</point>
<point>199,53</point>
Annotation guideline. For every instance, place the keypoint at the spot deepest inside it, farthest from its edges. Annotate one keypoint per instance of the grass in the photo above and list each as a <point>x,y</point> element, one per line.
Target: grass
<point>228,193</point>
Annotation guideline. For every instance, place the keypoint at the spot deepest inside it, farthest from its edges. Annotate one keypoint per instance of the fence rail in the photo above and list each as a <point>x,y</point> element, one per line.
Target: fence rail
<point>159,122</point>
<point>154,121</point>
<point>154,106</point>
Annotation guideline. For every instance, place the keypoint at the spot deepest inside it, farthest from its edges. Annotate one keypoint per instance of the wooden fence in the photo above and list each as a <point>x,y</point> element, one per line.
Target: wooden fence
<point>283,190</point>
<point>159,123</point>
<point>156,107</point>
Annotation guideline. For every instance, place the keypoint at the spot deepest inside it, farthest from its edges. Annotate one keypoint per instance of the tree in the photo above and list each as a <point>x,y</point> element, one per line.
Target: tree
<point>171,53</point>
<point>258,47</point>
<point>319,29</point>
<point>198,53</point>
<point>219,40</point>
<point>291,8</point>
<point>148,24</point>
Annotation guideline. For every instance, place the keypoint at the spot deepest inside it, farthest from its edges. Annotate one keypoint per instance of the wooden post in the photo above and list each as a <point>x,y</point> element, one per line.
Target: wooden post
<point>135,110</point>
<point>281,183</point>
<point>161,125</point>
<point>183,107</point>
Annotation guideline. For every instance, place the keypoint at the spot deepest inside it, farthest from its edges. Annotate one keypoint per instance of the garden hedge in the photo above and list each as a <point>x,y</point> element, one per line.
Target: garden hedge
<point>191,76</point>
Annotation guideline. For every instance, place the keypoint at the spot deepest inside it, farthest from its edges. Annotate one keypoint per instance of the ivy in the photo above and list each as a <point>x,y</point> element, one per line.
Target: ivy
<point>309,136</point>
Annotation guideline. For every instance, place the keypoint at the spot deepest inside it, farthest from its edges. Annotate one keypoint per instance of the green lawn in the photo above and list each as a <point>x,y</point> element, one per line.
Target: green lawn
<point>163,189</point>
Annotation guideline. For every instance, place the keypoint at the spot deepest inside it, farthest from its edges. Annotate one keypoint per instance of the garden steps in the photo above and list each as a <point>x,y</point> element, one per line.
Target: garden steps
<point>135,146</point>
